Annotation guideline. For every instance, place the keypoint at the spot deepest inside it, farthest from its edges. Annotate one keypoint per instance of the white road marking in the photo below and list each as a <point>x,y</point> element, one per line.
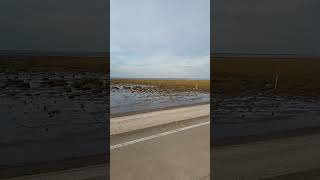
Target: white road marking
<point>156,135</point>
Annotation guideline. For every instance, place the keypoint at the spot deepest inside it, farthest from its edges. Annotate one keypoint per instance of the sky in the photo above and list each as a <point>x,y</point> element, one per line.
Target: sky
<point>160,38</point>
<point>266,26</point>
<point>166,29</point>
<point>54,25</point>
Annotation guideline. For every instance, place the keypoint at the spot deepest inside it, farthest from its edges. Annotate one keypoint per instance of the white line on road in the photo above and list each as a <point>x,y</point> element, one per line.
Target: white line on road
<point>157,135</point>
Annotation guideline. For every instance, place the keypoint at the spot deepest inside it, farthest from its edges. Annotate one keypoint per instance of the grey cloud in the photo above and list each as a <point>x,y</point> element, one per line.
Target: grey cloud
<point>54,25</point>
<point>266,26</point>
<point>160,38</point>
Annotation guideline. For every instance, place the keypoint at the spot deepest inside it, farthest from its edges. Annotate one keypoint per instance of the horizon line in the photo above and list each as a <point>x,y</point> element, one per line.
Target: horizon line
<point>269,55</point>
<point>160,78</point>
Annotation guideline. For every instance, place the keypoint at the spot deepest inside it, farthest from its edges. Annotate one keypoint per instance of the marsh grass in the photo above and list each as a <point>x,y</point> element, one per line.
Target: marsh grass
<point>232,76</point>
<point>171,85</point>
<point>91,64</point>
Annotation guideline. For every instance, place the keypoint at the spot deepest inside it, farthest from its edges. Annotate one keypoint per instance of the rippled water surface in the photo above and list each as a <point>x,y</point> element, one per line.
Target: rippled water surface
<point>263,113</point>
<point>50,115</point>
<point>125,100</point>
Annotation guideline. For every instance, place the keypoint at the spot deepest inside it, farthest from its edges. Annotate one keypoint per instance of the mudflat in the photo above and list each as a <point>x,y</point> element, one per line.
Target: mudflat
<point>265,118</point>
<point>140,95</point>
<point>234,76</point>
<point>253,96</point>
<point>52,108</point>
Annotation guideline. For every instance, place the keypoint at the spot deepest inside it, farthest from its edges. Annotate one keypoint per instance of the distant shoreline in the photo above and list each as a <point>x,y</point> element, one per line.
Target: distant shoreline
<point>263,56</point>
<point>53,53</point>
<point>137,78</point>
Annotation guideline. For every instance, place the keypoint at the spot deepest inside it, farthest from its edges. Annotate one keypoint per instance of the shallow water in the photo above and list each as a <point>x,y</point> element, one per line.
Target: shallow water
<point>265,113</point>
<point>123,100</point>
<point>41,122</point>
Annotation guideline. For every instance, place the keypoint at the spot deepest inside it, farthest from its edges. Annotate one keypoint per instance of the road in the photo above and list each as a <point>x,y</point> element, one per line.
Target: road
<point>144,120</point>
<point>97,172</point>
<point>179,150</point>
<point>172,149</point>
<point>278,159</point>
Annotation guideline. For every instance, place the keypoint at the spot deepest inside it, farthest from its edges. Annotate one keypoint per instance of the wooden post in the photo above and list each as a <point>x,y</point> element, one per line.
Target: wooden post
<point>105,72</point>
<point>276,83</point>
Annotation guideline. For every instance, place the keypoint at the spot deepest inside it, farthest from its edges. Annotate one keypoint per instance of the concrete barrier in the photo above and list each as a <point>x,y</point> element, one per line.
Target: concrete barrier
<point>129,123</point>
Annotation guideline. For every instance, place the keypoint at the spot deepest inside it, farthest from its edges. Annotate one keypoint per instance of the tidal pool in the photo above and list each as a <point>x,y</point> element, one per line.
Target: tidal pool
<point>140,98</point>
<point>51,115</point>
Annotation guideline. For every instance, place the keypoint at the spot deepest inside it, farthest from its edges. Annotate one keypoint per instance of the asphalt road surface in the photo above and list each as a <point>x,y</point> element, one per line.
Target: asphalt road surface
<point>168,144</point>
<point>180,150</point>
<point>97,172</point>
<point>175,151</point>
<point>278,159</point>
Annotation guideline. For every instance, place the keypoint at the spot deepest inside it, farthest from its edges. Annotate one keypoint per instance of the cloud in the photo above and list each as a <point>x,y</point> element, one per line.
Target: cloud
<point>160,38</point>
<point>54,25</point>
<point>267,26</point>
<point>160,66</point>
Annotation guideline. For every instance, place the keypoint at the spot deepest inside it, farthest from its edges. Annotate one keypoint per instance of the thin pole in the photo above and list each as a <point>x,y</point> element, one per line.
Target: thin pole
<point>276,83</point>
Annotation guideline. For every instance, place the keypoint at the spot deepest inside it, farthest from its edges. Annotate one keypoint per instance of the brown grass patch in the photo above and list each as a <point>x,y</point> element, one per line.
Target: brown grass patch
<point>175,85</point>
<point>295,76</point>
<point>94,64</point>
